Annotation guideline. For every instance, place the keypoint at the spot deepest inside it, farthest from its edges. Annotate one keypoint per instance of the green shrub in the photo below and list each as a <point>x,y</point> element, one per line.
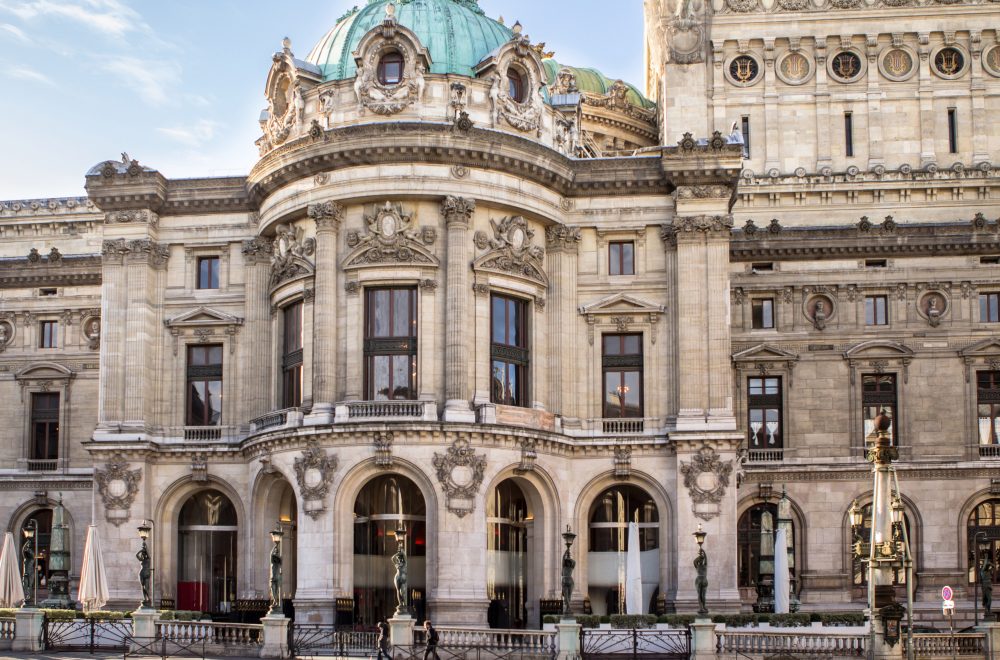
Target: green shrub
<point>737,620</point>
<point>548,618</point>
<point>60,615</point>
<point>796,620</point>
<point>588,620</point>
<point>166,615</point>
<point>605,618</point>
<point>855,618</point>
<point>676,620</point>
<point>107,615</point>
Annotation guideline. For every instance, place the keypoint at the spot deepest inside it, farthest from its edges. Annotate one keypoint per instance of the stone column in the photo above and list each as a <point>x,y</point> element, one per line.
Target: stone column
<point>772,131</point>
<point>824,157</point>
<point>977,85</point>
<point>563,245</point>
<point>255,350</point>
<point>327,216</point>
<point>144,265</point>
<point>457,212</point>
<point>114,291</point>
<point>925,92</point>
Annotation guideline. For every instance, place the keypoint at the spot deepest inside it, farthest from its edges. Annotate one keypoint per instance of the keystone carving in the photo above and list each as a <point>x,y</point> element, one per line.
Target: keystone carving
<point>383,448</point>
<point>706,478</point>
<point>460,473</point>
<point>117,486</point>
<point>314,473</point>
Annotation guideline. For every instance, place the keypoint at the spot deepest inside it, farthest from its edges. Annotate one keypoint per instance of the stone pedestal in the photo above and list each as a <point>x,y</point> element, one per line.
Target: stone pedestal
<point>992,631</point>
<point>702,639</point>
<point>143,627</point>
<point>275,637</point>
<point>568,633</point>
<point>28,624</point>
<point>401,630</point>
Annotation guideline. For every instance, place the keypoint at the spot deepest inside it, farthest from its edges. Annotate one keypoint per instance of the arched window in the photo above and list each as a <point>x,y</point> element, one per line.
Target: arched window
<point>43,536</point>
<point>748,531</point>
<point>608,539</point>
<point>864,533</point>
<point>516,87</point>
<point>507,556</point>
<point>207,532</point>
<point>385,503</point>
<point>390,68</point>
<point>984,536</point>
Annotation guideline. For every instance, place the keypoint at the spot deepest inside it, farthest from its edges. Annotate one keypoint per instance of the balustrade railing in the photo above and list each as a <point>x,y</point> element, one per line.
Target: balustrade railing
<point>927,645</point>
<point>384,409</point>
<point>230,635</point>
<point>766,455</point>
<point>270,420</point>
<point>203,433</point>
<point>6,633</point>
<point>989,451</point>
<point>806,643</point>
<point>529,641</point>
<point>42,464</point>
<point>617,426</point>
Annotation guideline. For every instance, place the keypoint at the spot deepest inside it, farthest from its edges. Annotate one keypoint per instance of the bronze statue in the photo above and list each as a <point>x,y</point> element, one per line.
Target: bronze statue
<point>145,572</point>
<point>399,561</point>
<point>568,564</point>
<point>986,583</point>
<point>275,578</point>
<point>701,581</point>
<point>28,569</point>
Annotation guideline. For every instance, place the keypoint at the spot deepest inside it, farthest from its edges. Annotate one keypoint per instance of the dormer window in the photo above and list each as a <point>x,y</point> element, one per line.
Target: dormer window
<point>390,68</point>
<point>515,85</point>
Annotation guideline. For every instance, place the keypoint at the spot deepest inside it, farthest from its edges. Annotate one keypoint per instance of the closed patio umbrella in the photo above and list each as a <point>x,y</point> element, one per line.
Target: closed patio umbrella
<point>93,578</point>
<point>11,591</point>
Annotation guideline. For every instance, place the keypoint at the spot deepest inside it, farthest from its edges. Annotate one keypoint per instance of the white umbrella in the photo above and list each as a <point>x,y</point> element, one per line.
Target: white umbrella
<point>93,578</point>
<point>633,572</point>
<point>11,591</point>
<point>782,580</point>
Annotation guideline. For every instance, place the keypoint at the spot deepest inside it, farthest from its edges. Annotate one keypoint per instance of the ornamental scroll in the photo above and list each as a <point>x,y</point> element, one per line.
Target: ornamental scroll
<point>314,474</point>
<point>706,477</point>
<point>117,486</point>
<point>460,473</point>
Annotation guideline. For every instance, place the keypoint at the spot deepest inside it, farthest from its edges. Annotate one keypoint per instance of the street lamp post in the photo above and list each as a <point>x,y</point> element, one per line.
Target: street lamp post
<point>145,567</point>
<point>568,564</point>
<point>29,553</point>
<point>701,568</point>
<point>275,582</point>
<point>402,578</point>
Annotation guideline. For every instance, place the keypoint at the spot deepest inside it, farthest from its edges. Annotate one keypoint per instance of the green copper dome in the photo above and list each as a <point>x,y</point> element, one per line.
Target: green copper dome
<point>595,82</point>
<point>456,33</point>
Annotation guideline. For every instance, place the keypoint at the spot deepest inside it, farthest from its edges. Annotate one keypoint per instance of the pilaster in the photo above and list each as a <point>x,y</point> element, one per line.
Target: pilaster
<point>457,212</point>
<point>328,217</point>
<point>563,246</point>
<point>256,358</point>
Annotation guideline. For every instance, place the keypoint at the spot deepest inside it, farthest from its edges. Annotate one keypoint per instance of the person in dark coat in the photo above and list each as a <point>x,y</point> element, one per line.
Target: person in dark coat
<point>432,641</point>
<point>383,641</point>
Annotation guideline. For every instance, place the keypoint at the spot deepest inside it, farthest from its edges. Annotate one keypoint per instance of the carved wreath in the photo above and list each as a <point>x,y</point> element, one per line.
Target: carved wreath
<point>706,477</point>
<point>314,472</point>
<point>460,472</point>
<point>118,486</point>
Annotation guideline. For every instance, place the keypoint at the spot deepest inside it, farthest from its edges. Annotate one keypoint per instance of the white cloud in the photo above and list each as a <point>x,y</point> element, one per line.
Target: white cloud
<point>150,79</point>
<point>110,17</point>
<point>17,32</point>
<point>21,72</point>
<point>194,135</point>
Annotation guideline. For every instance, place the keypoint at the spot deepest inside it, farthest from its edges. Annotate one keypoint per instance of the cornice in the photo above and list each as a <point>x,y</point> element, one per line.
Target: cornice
<point>208,195</point>
<point>862,473</point>
<point>33,271</point>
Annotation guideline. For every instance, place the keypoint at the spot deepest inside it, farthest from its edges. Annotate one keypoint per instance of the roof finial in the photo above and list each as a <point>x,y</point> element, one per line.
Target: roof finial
<point>500,20</point>
<point>286,43</point>
<point>517,28</point>
<point>390,10</point>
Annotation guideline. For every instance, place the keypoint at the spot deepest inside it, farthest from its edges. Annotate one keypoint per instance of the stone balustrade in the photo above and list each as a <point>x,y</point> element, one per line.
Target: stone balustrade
<point>948,645</point>
<point>807,641</point>
<point>358,411</point>
<point>528,641</point>
<point>226,635</point>
<point>6,634</point>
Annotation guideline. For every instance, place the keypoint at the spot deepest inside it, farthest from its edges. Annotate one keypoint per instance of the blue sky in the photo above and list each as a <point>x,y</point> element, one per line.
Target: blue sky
<point>178,84</point>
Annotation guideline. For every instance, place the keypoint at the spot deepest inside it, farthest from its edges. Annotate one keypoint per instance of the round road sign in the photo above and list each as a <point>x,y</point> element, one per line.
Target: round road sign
<point>946,593</point>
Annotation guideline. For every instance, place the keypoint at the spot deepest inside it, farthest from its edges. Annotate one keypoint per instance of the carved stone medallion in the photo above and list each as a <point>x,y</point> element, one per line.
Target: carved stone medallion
<point>117,486</point>
<point>794,68</point>
<point>314,473</point>
<point>391,237</point>
<point>511,250</point>
<point>897,64</point>
<point>706,477</point>
<point>460,473</point>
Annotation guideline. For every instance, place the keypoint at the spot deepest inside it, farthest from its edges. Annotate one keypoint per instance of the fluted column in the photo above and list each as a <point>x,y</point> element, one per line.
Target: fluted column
<point>563,245</point>
<point>256,362</point>
<point>457,212</point>
<point>327,216</point>
<point>114,296</point>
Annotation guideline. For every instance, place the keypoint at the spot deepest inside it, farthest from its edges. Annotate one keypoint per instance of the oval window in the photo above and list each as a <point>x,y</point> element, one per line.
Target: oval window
<point>516,86</point>
<point>390,68</point>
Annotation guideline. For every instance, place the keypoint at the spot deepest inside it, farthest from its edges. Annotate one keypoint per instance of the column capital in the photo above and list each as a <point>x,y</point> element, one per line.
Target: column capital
<point>561,237</point>
<point>457,209</point>
<point>713,226</point>
<point>327,215</point>
<point>257,250</point>
<point>142,250</point>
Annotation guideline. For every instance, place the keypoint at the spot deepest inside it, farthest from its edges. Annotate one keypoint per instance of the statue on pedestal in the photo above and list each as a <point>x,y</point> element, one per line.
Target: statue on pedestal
<point>276,578</point>
<point>986,584</point>
<point>701,581</point>
<point>399,561</point>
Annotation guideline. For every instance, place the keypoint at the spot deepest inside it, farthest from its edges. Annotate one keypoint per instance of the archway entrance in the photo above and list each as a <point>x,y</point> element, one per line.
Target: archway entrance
<point>43,536</point>
<point>385,503</point>
<point>607,559</point>
<point>207,531</point>
<point>507,577</point>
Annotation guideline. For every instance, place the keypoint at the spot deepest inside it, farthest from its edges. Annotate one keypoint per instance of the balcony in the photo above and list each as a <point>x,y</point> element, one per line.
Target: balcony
<point>774,455</point>
<point>42,464</point>
<point>989,452</point>
<point>600,427</point>
<point>219,434</point>
<point>289,417</point>
<point>350,412</point>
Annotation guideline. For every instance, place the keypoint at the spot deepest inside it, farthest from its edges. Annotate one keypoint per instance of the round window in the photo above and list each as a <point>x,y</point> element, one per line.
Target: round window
<point>390,68</point>
<point>515,85</point>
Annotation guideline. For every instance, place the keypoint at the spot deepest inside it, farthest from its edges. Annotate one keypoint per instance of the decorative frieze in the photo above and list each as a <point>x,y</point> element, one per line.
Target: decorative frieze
<point>511,251</point>
<point>391,238</point>
<point>138,216</point>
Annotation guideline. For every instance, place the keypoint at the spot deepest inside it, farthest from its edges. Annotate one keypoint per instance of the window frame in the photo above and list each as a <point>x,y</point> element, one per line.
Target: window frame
<point>48,333</point>
<point>516,356</point>
<point>872,320</point>
<point>395,57</point>
<point>50,418</point>
<point>202,373</point>
<point>765,402</point>
<point>879,398</point>
<point>517,87</point>
<point>622,363</point>
<point>616,266</point>
<point>292,355</point>
<point>753,314</point>
<point>849,134</point>
<point>988,397</point>
<point>213,270</point>
<point>376,346</point>
<point>992,301</point>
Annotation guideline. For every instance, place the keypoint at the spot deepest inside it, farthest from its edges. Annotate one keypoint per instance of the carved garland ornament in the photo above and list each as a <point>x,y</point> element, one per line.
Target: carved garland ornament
<point>511,250</point>
<point>391,238</point>
<point>460,473</point>
<point>706,477</point>
<point>289,254</point>
<point>118,486</point>
<point>314,473</point>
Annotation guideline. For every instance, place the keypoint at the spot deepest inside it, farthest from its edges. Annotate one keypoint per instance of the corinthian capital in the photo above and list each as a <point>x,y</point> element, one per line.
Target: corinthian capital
<point>561,237</point>
<point>457,209</point>
<point>327,215</point>
<point>707,224</point>
<point>257,250</point>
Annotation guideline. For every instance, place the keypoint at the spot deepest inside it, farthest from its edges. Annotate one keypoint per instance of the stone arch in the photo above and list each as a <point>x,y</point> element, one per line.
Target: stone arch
<point>163,539</point>
<point>667,538</point>
<point>545,543</point>
<point>799,529</point>
<point>273,498</point>
<point>912,514</point>
<point>962,546</point>
<point>344,499</point>
<point>21,514</point>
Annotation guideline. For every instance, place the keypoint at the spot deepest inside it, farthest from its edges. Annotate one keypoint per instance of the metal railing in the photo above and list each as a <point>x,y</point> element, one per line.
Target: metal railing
<point>792,643</point>
<point>86,634</point>
<point>622,643</point>
<point>228,635</point>
<point>926,645</point>
<point>308,639</point>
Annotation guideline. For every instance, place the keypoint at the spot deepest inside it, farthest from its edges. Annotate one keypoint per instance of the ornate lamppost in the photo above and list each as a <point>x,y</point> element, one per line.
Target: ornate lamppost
<point>145,567</point>
<point>701,568</point>
<point>401,579</point>
<point>568,564</point>
<point>29,562</point>
<point>275,575</point>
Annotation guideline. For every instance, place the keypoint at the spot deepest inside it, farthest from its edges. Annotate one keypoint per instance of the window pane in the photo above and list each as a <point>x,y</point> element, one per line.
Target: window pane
<point>401,313</point>
<point>215,355</point>
<point>633,394</point>
<point>514,323</point>
<point>380,377</point>
<point>869,311</point>
<point>612,385</point>
<point>628,259</point>
<point>633,344</point>
<point>381,313</point>
<point>499,320</point>
<point>196,404</point>
<point>214,390</point>
<point>615,259</point>
<point>756,386</point>
<point>771,386</point>
<point>400,377</point>
<point>612,345</point>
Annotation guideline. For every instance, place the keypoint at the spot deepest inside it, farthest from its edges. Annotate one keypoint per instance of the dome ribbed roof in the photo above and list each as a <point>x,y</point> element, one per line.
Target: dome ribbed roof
<point>595,82</point>
<point>456,33</point>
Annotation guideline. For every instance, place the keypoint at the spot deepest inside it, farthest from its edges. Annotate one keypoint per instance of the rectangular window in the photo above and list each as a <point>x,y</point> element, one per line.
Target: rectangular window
<point>764,413</point>
<point>762,267</point>
<point>745,129</point>
<point>992,260</point>
<point>989,307</point>
<point>622,365</point>
<point>48,334</point>
<point>208,273</point>
<point>988,400</point>
<point>876,310</point>
<point>509,353</point>
<point>878,394</point>
<point>44,426</point>
<point>952,131</point>
<point>621,258</point>
<point>849,134</point>
<point>204,385</point>
<point>763,313</point>
<point>391,344</point>
<point>291,359</point>
<point>876,263</point>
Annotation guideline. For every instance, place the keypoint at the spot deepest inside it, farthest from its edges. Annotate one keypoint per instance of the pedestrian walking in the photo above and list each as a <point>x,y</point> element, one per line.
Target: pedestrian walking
<point>383,641</point>
<point>432,641</point>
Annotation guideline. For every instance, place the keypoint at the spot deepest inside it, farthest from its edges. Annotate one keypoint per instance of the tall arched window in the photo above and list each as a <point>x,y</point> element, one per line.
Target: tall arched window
<point>207,532</point>
<point>983,530</point>
<point>607,569</point>
<point>864,533</point>
<point>43,535</point>
<point>507,556</point>
<point>748,531</point>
